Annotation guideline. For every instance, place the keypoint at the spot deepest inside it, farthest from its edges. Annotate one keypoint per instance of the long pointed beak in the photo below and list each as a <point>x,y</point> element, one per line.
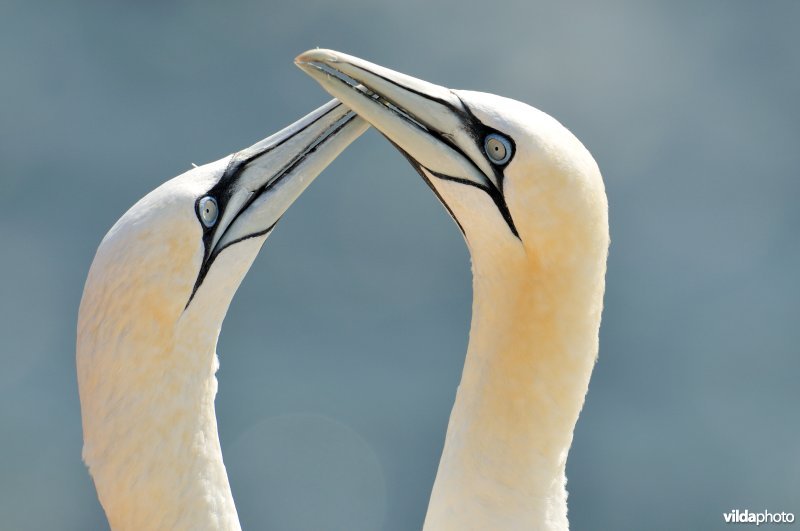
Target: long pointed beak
<point>429,123</point>
<point>262,181</point>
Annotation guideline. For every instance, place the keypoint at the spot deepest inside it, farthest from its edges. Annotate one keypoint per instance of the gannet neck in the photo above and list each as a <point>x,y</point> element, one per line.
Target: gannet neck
<point>533,343</point>
<point>146,372</point>
<point>151,439</point>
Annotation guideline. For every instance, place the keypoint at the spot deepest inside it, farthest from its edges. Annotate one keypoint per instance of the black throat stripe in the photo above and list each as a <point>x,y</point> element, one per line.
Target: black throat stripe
<point>476,129</point>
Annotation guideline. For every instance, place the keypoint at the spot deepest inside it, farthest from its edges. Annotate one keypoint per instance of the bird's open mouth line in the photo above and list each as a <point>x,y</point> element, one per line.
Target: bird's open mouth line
<point>286,170</point>
<point>400,112</point>
<point>494,192</point>
<point>315,144</point>
<point>365,90</point>
<point>282,174</point>
<point>405,115</point>
<point>293,164</point>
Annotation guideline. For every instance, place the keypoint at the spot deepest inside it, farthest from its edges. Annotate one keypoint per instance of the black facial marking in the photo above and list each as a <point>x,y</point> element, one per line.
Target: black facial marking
<point>222,191</point>
<point>428,97</point>
<point>478,131</point>
<point>206,265</point>
<point>224,188</point>
<point>419,169</point>
<point>491,191</point>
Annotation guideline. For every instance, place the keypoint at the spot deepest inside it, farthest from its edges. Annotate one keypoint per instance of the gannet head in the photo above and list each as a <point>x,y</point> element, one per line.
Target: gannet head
<point>184,248</point>
<point>511,176</point>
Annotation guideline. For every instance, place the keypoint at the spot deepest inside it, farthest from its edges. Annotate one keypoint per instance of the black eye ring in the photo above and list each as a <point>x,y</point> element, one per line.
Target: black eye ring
<point>497,148</point>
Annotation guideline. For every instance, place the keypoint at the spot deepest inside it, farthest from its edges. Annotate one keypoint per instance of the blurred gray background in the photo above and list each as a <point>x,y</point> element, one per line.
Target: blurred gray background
<point>343,348</point>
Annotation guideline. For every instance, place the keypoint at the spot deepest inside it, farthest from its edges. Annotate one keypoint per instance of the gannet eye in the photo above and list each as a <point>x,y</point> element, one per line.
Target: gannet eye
<point>497,148</point>
<point>208,211</point>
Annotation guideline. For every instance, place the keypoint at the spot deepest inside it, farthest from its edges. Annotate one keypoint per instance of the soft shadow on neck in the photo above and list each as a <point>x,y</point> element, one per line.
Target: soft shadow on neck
<point>533,343</point>
<point>150,431</point>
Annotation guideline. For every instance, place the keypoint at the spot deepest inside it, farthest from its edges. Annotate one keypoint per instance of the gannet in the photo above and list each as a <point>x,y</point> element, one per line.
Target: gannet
<point>152,307</point>
<point>530,202</point>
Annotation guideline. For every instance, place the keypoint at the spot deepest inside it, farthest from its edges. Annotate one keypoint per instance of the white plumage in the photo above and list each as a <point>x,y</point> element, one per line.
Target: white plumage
<point>152,308</point>
<point>531,203</point>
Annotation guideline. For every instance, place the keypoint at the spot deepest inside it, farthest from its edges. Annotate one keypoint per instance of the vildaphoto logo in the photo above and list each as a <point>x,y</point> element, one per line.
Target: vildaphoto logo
<point>765,517</point>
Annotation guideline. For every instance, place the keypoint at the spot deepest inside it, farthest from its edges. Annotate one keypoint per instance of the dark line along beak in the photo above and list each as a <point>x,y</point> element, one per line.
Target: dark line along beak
<point>262,181</point>
<point>436,132</point>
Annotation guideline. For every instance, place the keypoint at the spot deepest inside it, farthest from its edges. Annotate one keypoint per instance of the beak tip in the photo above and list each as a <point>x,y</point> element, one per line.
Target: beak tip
<point>317,55</point>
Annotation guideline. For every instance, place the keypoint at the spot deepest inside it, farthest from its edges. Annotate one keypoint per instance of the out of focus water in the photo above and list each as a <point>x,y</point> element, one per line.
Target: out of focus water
<point>343,348</point>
